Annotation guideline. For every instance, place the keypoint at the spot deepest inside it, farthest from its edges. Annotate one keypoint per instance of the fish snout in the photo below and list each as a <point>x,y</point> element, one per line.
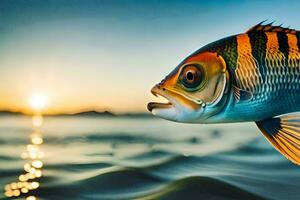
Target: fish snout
<point>158,91</point>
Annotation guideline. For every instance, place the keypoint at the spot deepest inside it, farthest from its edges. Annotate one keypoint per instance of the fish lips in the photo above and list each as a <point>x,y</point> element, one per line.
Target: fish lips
<point>156,105</point>
<point>156,91</point>
<point>166,110</point>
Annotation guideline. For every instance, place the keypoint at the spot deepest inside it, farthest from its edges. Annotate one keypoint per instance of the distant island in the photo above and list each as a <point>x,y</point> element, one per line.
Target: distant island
<point>89,113</point>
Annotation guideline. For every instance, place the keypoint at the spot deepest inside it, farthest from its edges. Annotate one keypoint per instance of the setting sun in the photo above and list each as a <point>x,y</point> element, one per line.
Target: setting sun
<point>38,101</point>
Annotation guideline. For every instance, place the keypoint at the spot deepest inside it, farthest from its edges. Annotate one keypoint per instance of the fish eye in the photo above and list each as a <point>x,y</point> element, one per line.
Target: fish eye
<point>191,76</point>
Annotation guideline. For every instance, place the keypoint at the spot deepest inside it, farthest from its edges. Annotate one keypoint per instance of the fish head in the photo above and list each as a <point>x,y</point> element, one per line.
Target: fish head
<point>195,89</point>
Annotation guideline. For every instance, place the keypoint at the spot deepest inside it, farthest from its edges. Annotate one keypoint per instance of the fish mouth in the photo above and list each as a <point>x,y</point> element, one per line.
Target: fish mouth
<point>156,91</point>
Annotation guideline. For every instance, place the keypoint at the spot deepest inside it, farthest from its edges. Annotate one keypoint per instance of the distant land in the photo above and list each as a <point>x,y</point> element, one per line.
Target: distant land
<point>89,113</point>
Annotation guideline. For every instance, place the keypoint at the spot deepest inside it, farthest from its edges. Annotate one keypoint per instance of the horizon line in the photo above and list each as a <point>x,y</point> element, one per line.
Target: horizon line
<point>77,112</point>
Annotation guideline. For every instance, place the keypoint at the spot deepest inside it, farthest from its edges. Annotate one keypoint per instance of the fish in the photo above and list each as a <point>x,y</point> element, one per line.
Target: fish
<point>248,77</point>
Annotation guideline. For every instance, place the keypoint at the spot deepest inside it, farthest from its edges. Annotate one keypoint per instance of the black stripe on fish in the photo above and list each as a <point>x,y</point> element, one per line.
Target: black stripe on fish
<point>258,41</point>
<point>283,46</point>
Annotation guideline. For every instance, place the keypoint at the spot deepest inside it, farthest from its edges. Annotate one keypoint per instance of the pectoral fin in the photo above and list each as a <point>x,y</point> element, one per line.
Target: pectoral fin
<point>284,134</point>
<point>241,95</point>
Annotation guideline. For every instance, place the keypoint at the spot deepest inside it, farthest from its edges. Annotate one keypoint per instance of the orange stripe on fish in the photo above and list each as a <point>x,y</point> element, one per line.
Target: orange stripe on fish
<point>246,72</point>
<point>275,59</point>
<point>294,53</point>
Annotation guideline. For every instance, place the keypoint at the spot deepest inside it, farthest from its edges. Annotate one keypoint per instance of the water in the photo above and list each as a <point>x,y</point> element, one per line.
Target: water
<point>128,158</point>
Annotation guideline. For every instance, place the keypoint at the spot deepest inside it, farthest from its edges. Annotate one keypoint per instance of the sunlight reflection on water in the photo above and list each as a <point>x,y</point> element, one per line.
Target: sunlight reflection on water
<point>28,181</point>
<point>129,158</point>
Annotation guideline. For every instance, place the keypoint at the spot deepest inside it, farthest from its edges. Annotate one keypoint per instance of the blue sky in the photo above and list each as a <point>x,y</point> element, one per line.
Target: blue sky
<point>108,54</point>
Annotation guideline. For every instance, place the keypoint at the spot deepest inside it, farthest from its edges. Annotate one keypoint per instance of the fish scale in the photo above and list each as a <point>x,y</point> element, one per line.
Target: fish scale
<point>276,91</point>
<point>271,79</point>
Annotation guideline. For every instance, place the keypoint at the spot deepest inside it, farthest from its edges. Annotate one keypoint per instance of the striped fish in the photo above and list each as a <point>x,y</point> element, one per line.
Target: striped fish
<point>253,76</point>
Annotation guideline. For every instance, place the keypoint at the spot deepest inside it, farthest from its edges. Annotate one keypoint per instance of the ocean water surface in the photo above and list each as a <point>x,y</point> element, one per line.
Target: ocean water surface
<point>130,158</point>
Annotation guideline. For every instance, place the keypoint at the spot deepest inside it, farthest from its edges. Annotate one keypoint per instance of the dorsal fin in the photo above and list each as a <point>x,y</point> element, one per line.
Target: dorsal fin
<point>271,28</point>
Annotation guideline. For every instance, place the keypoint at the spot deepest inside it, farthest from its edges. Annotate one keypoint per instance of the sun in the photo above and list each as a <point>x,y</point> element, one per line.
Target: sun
<point>38,101</point>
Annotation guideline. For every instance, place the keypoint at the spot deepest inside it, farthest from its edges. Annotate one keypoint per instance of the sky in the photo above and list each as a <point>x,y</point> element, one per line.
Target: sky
<point>106,55</point>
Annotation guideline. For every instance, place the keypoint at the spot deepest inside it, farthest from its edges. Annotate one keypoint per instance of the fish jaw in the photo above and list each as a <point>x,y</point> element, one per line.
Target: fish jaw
<point>169,113</point>
<point>178,108</point>
<point>163,110</point>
